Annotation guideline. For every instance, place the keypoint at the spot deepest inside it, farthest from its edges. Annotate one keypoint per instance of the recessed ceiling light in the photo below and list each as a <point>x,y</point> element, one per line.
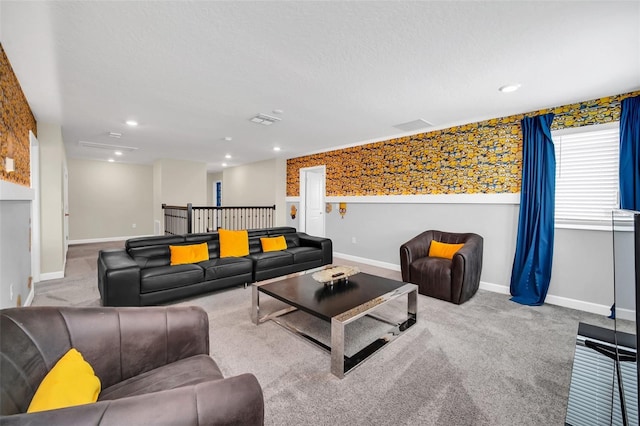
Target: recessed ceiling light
<point>228,138</point>
<point>118,153</point>
<point>115,135</point>
<point>111,160</point>
<point>227,156</point>
<point>132,123</point>
<point>224,164</point>
<point>509,88</point>
<point>276,148</point>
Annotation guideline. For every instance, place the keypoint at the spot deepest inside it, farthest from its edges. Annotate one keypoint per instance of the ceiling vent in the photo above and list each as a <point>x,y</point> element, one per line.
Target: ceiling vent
<point>95,145</point>
<point>413,125</point>
<point>264,119</point>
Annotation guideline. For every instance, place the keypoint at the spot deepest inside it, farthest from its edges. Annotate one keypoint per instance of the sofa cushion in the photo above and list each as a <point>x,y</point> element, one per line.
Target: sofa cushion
<point>212,239</point>
<point>185,372</point>
<point>273,243</point>
<point>233,243</point>
<point>164,277</point>
<point>192,253</point>
<point>305,254</point>
<point>70,382</point>
<point>226,267</point>
<point>444,250</point>
<point>272,259</point>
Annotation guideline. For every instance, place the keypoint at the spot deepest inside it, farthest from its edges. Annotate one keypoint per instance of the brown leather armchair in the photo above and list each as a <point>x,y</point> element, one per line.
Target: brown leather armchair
<point>454,280</point>
<point>153,363</point>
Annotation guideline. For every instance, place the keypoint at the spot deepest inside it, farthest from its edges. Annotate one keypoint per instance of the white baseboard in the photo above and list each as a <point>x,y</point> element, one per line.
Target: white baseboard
<point>565,302</point>
<point>495,288</point>
<point>104,240</point>
<point>51,276</point>
<point>580,305</point>
<point>625,314</point>
<point>31,295</point>
<point>366,261</point>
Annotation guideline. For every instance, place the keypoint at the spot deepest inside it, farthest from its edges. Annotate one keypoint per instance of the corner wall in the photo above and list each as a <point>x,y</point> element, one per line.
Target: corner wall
<point>16,194</point>
<point>109,200</point>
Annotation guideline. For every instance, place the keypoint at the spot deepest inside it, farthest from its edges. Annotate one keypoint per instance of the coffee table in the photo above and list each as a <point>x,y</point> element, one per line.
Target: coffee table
<point>339,305</point>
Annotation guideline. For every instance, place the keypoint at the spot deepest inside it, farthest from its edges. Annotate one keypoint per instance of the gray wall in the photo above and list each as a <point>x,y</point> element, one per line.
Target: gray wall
<point>106,200</point>
<point>582,275</point>
<point>15,258</point>
<point>380,228</point>
<point>583,266</point>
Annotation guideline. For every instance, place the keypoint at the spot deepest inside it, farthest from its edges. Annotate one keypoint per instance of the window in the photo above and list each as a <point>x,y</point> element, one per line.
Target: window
<point>586,175</point>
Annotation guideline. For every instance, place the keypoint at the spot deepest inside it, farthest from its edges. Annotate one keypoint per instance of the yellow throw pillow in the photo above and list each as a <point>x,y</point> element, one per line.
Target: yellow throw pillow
<point>438,249</point>
<point>233,243</point>
<point>273,243</point>
<point>189,254</point>
<point>70,382</point>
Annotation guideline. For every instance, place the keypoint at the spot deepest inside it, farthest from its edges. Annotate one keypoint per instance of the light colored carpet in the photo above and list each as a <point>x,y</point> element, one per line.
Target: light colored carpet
<point>487,362</point>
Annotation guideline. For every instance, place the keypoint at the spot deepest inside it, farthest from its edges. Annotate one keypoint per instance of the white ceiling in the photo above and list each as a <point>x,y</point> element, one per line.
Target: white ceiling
<point>342,72</point>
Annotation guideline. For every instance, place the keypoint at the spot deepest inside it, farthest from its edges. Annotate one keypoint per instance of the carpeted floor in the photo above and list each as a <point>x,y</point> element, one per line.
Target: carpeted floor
<point>487,362</point>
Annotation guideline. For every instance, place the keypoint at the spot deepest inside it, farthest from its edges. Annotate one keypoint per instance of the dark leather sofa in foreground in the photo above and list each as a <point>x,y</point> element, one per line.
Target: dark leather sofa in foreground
<point>141,274</point>
<point>153,364</point>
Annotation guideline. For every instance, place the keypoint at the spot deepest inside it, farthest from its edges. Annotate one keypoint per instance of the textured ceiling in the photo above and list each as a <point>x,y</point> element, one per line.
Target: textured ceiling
<point>343,73</point>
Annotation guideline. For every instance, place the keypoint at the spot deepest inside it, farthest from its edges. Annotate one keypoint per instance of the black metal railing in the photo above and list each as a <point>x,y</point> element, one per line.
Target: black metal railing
<point>179,220</point>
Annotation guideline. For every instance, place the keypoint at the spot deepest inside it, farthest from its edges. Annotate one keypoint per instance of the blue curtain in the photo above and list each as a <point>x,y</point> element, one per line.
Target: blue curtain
<point>534,247</point>
<point>630,154</point>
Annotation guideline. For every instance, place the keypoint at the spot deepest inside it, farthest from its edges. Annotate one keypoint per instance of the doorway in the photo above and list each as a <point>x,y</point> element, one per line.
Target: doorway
<point>217,193</point>
<point>312,195</point>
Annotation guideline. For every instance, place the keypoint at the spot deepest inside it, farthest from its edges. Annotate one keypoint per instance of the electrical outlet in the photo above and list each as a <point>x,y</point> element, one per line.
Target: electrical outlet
<point>11,292</point>
<point>133,225</point>
<point>353,240</point>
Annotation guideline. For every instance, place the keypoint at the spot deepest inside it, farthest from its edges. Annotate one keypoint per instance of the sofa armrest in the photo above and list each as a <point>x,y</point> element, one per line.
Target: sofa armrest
<point>466,269</point>
<point>118,278</point>
<point>325,244</point>
<point>415,248</point>
<point>233,401</point>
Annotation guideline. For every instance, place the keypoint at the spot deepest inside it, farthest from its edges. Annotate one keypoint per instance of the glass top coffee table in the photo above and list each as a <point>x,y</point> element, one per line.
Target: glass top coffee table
<point>339,305</point>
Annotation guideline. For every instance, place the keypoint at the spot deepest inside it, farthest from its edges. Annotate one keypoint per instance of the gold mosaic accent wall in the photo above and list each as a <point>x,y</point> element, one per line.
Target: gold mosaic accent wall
<point>476,158</point>
<point>17,120</point>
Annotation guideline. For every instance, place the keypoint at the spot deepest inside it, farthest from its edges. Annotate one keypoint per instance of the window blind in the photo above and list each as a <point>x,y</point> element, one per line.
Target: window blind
<point>586,175</point>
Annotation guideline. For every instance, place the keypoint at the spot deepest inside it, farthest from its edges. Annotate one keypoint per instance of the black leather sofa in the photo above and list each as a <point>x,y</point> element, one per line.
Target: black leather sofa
<point>153,364</point>
<point>141,274</point>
